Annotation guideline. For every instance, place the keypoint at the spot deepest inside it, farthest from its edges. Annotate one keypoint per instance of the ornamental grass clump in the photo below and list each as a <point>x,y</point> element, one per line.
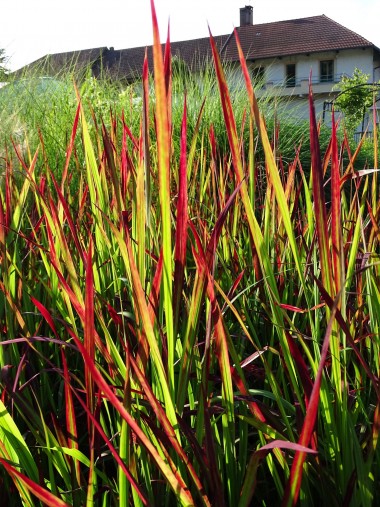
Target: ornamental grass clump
<point>173,332</point>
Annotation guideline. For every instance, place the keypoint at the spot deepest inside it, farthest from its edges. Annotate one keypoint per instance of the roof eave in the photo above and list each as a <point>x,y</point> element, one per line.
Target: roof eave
<point>306,53</point>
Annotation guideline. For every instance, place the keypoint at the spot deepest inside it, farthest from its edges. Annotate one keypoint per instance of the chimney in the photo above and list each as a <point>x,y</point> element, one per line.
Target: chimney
<point>246,15</point>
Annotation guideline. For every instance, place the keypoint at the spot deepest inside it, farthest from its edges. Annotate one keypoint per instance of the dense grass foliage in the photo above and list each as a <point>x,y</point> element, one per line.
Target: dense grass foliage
<point>187,317</point>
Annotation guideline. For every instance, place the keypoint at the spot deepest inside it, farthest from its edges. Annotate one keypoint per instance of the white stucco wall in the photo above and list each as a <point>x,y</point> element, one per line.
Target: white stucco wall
<point>348,60</point>
<point>345,62</point>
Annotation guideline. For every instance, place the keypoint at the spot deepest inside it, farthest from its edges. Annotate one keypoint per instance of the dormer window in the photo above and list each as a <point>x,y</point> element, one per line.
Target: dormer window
<point>326,71</point>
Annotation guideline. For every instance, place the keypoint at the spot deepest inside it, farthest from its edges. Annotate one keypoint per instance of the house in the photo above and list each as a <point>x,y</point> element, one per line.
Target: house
<point>284,55</point>
<point>287,54</point>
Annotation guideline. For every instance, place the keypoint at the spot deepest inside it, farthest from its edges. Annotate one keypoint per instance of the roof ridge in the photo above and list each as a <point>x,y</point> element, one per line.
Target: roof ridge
<point>285,20</point>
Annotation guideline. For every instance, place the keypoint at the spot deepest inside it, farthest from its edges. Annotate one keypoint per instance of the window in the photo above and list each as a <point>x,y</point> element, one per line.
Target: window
<point>290,75</point>
<point>258,76</point>
<point>326,71</point>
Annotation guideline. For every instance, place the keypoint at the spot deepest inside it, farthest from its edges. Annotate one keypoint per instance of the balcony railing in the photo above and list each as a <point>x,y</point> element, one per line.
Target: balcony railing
<point>300,81</point>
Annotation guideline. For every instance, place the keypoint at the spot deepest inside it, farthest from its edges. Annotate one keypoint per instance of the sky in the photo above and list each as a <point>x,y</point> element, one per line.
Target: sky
<point>31,29</point>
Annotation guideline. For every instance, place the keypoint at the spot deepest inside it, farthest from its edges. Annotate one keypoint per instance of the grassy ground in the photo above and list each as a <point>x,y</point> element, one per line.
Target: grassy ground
<point>187,318</point>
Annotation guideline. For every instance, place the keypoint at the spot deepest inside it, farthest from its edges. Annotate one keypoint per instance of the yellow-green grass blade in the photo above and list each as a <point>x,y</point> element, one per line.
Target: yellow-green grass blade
<point>14,444</point>
<point>163,147</point>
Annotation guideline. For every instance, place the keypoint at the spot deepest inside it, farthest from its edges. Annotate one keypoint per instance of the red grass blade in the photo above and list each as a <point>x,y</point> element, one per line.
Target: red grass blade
<point>71,425</point>
<point>89,336</point>
<point>146,138</point>
<point>3,226</point>
<point>109,152</point>
<point>41,493</point>
<point>181,226</point>
<point>319,199</point>
<point>70,147</point>
<point>168,78</point>
<point>294,483</point>
<point>228,113</point>
<point>337,251</point>
<point>46,314</point>
<point>215,235</point>
<point>376,427</point>
<point>8,193</point>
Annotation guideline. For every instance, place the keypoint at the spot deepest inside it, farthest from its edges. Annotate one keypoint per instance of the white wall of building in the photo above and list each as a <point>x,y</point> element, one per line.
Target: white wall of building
<point>348,60</point>
<point>345,63</point>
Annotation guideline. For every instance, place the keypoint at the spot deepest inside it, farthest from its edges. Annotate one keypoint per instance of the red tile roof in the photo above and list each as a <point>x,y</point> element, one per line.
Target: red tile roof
<point>128,63</point>
<point>261,41</point>
<point>295,36</point>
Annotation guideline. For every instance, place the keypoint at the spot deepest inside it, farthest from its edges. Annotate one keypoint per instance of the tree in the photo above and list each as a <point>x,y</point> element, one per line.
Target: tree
<point>3,68</point>
<point>355,97</point>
